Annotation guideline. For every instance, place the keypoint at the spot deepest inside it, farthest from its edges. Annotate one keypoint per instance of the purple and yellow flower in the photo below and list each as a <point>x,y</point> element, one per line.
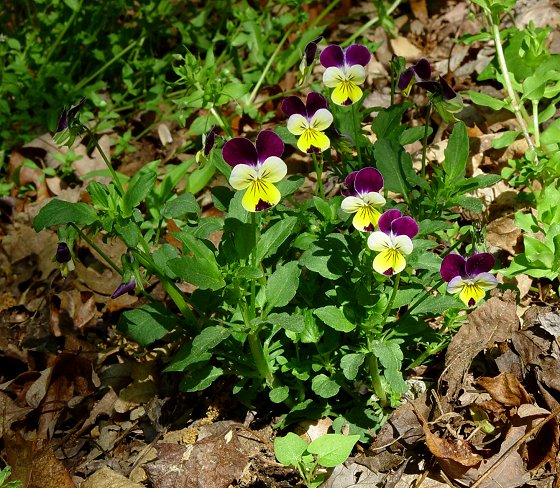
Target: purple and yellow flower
<point>124,288</point>
<point>470,278</point>
<point>393,241</point>
<point>363,198</point>
<point>345,70</point>
<point>421,71</point>
<point>63,257</point>
<point>308,121</point>
<point>255,168</point>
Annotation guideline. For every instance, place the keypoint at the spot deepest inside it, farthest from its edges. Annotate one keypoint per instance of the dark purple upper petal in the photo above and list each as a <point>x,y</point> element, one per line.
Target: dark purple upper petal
<point>210,140</point>
<point>63,254</point>
<point>447,92</point>
<point>124,288</point>
<point>423,69</point>
<point>268,144</point>
<point>404,79</point>
<point>357,54</point>
<point>404,226</point>
<point>293,105</point>
<point>387,218</point>
<point>62,121</point>
<point>368,180</point>
<point>451,266</point>
<point>332,55</point>
<point>311,50</point>
<point>349,182</point>
<point>239,150</point>
<point>314,102</point>
<point>431,86</point>
<point>479,263</point>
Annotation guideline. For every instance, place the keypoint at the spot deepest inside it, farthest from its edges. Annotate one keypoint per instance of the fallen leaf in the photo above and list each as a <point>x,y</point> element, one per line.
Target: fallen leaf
<point>505,389</point>
<point>107,478</point>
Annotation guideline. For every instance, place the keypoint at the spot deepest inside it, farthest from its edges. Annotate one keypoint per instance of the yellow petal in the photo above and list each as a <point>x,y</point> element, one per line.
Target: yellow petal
<point>312,137</point>
<point>471,291</point>
<point>259,192</point>
<point>366,218</point>
<point>346,90</point>
<point>389,261</point>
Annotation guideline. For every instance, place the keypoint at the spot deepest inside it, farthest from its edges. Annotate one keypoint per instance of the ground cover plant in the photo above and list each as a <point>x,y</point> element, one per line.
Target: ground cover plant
<point>322,296</point>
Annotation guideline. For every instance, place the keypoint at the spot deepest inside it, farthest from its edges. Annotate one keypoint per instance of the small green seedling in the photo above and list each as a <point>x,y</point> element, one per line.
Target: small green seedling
<point>4,475</point>
<point>327,451</point>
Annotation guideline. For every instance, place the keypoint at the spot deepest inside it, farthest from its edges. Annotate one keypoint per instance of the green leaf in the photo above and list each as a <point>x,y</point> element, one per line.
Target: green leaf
<point>161,258</point>
<point>486,100</point>
<point>390,356</point>
<point>289,449</point>
<point>196,246</point>
<point>147,324</point>
<point>293,323</point>
<point>472,204</point>
<point>198,271</point>
<point>210,337</point>
<point>506,139</point>
<point>394,165</point>
<point>350,364</point>
<point>334,317</point>
<point>200,379</point>
<point>99,195</point>
<point>332,449</point>
<point>236,90</point>
<point>282,285</point>
<point>413,134</point>
<point>286,136</point>
<point>140,185</point>
<point>323,386</point>
<point>551,135</point>
<point>279,394</point>
<point>183,204</point>
<point>387,123</point>
<point>456,154</point>
<point>273,238</point>
<point>476,183</point>
<point>188,358</point>
<point>58,212</point>
<point>434,305</point>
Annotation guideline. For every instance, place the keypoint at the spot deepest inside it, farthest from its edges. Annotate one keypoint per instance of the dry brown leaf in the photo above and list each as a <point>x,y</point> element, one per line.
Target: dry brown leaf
<point>10,413</point>
<point>107,478</point>
<point>494,321</point>
<point>503,233</point>
<point>505,389</point>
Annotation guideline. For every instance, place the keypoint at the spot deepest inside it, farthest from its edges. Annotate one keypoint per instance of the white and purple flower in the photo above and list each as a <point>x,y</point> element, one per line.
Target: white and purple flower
<point>308,121</point>
<point>470,278</point>
<point>255,168</point>
<point>363,198</point>
<point>345,70</point>
<point>393,241</point>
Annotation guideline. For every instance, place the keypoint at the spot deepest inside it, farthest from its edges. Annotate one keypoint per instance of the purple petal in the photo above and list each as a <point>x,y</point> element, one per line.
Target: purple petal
<point>268,144</point>
<point>293,105</point>
<point>62,121</point>
<point>386,219</point>
<point>447,92</point>
<point>452,265</point>
<point>368,180</point>
<point>210,140</point>
<point>479,263</point>
<point>423,69</point>
<point>124,288</point>
<point>349,183</point>
<point>311,50</point>
<point>404,79</point>
<point>63,254</point>
<point>406,226</point>
<point>314,102</point>
<point>332,56</point>
<point>239,150</point>
<point>357,54</point>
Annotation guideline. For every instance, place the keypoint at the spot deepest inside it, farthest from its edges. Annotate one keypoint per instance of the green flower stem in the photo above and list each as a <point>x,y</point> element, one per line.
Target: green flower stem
<point>114,175</point>
<point>425,139</point>
<point>318,166</point>
<point>536,123</point>
<point>376,379</point>
<point>356,133</point>
<point>392,299</point>
<point>369,24</point>
<point>515,104</point>
<point>98,250</point>
<point>261,361</point>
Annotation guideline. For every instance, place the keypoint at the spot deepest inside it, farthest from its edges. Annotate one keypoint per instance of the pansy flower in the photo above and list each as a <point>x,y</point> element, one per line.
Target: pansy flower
<point>124,288</point>
<point>470,278</point>
<point>421,71</point>
<point>363,198</point>
<point>63,257</point>
<point>393,241</point>
<point>345,70</point>
<point>255,168</point>
<point>308,121</point>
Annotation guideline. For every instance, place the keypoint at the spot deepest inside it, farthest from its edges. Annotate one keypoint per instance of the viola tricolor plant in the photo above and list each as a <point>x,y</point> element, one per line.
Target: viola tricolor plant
<point>363,198</point>
<point>393,242</point>
<point>345,70</point>
<point>256,167</point>
<point>470,278</point>
<point>309,121</point>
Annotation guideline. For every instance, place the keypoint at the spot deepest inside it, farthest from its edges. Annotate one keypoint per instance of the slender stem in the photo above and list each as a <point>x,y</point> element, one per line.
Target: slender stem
<point>508,85</point>
<point>536,131</point>
<point>267,67</point>
<point>376,379</point>
<point>318,166</point>
<point>356,133</point>
<point>114,175</point>
<point>370,23</point>
<point>98,250</point>
<point>261,362</point>
<point>425,139</point>
<point>392,299</point>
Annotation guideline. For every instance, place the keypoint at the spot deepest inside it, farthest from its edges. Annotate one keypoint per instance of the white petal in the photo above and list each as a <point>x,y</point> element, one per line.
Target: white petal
<point>374,199</point>
<point>297,123</point>
<point>351,204</point>
<point>273,169</point>
<point>486,281</point>
<point>242,175</point>
<point>455,285</point>
<point>321,120</point>
<point>356,73</point>
<point>379,241</point>
<point>403,244</point>
<point>333,76</point>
